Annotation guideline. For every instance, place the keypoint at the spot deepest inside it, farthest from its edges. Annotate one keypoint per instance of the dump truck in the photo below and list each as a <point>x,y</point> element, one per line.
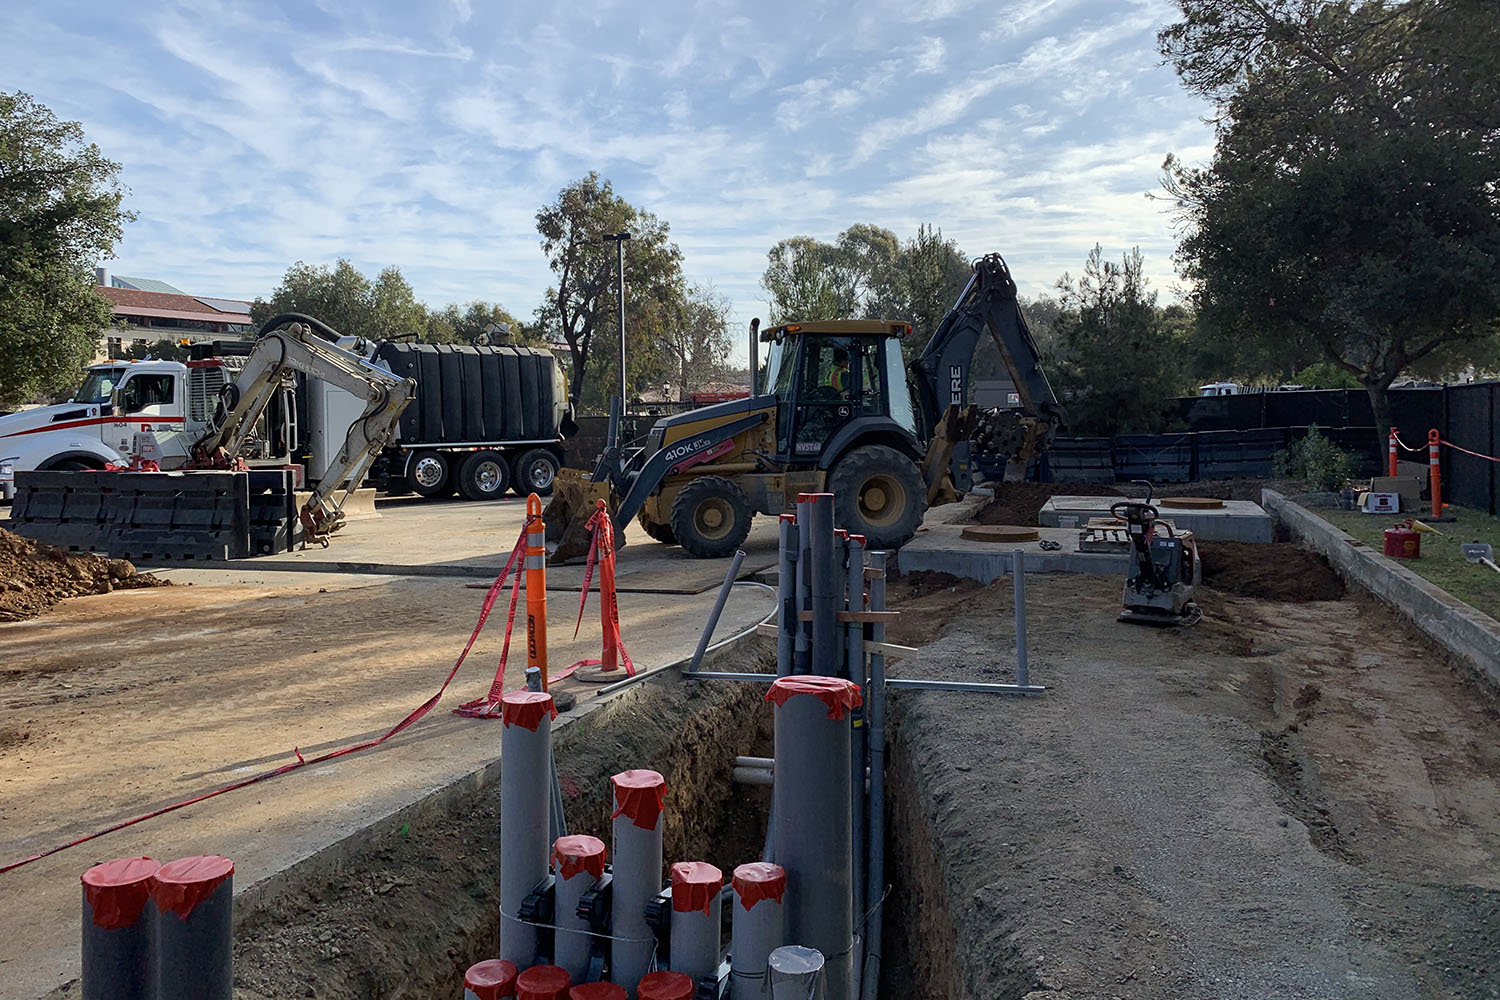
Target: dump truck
<point>835,410</point>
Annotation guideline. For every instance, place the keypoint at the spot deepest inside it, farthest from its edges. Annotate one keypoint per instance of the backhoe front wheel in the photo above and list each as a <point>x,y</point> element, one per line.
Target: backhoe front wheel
<point>656,530</point>
<point>711,517</point>
<point>878,492</point>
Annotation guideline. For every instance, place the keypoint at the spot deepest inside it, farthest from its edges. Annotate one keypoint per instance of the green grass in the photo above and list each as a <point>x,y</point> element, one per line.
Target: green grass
<point>1442,561</point>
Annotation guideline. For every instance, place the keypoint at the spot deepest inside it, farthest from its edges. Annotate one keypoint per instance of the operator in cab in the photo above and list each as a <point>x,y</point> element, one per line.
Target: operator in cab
<point>838,373</point>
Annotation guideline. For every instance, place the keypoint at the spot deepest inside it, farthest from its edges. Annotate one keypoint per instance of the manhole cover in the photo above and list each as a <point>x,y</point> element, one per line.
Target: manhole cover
<point>1190,503</point>
<point>1000,533</point>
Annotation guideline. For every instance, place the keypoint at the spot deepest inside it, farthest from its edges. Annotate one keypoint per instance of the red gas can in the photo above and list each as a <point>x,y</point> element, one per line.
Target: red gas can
<point>1402,543</point>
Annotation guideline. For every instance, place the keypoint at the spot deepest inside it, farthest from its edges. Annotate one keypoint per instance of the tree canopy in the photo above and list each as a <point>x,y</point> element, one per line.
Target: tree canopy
<point>346,300</point>
<point>59,215</point>
<point>1351,211</point>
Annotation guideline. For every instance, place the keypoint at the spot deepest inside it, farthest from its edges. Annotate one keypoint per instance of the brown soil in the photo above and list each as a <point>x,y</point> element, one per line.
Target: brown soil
<point>34,576</point>
<point>1021,503</point>
<point>927,600</point>
<point>1281,571</point>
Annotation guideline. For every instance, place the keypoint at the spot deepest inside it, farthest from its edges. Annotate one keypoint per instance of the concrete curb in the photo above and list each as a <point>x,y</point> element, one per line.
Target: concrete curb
<point>1467,633</point>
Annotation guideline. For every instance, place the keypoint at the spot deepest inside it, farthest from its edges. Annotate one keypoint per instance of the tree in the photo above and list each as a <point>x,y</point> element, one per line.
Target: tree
<point>1351,212</point>
<point>582,303</point>
<point>1114,358</point>
<point>161,350</point>
<point>807,281</point>
<point>346,300</point>
<point>59,215</point>
<point>699,343</point>
<point>454,324</point>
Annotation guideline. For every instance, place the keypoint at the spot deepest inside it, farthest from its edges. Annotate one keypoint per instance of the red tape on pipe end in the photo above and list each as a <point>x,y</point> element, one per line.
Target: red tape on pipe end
<point>665,986</point>
<point>835,692</point>
<point>179,886</point>
<point>813,497</point>
<point>578,853</point>
<point>598,991</point>
<point>526,708</point>
<point>543,982</point>
<point>639,795</point>
<point>491,979</point>
<point>694,886</point>
<point>756,881</point>
<point>117,890</point>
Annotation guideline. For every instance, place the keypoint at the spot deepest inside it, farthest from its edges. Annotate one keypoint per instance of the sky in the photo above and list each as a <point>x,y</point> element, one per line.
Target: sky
<point>427,134</point>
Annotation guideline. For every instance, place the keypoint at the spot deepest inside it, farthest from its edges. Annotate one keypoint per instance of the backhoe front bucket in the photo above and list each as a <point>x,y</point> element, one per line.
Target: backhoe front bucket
<point>567,514</point>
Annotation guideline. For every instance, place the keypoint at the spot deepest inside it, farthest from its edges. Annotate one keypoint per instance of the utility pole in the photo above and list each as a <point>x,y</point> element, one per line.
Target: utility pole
<point>618,417</point>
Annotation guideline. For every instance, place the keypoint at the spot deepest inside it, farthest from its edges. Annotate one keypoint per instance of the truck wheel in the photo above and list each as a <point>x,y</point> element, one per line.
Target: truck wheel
<point>660,532</point>
<point>878,493</point>
<point>535,471</point>
<point>429,474</point>
<point>485,475</point>
<point>711,517</point>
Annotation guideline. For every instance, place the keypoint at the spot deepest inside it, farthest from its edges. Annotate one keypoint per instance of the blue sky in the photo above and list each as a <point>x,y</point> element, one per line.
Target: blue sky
<point>426,134</point>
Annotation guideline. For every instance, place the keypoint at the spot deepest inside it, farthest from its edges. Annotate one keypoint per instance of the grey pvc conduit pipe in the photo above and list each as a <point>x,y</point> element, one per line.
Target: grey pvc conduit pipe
<point>875,878</point>
<point>786,594</point>
<point>730,576</point>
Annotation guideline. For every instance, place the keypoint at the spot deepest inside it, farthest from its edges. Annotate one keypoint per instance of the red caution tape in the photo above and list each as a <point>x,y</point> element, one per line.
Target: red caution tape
<point>639,795</point>
<point>598,991</point>
<point>602,551</point>
<point>665,986</point>
<point>694,886</point>
<point>117,891</point>
<point>578,853</point>
<point>543,982</point>
<point>526,708</point>
<point>491,979</point>
<point>488,707</point>
<point>1487,458</point>
<point>759,880</point>
<point>179,886</point>
<point>835,692</point>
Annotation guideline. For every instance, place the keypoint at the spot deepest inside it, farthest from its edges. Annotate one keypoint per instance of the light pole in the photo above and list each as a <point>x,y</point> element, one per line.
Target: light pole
<point>618,429</point>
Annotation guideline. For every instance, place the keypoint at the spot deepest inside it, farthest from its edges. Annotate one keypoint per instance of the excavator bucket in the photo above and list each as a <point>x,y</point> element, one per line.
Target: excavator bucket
<point>567,514</point>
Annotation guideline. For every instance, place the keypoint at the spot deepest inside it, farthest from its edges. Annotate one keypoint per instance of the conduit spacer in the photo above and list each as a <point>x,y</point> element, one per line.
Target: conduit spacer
<point>598,991</point>
<point>492,979</point>
<point>759,880</point>
<point>578,853</point>
<point>117,890</point>
<point>526,708</point>
<point>179,886</point>
<point>665,986</point>
<point>543,982</point>
<point>695,885</point>
<point>835,692</point>
<point>640,794</point>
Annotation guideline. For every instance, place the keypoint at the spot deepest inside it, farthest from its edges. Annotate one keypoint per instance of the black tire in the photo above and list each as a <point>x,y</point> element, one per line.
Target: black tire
<point>75,465</point>
<point>711,517</point>
<point>878,492</point>
<point>430,474</point>
<point>535,471</point>
<point>655,530</point>
<point>485,475</point>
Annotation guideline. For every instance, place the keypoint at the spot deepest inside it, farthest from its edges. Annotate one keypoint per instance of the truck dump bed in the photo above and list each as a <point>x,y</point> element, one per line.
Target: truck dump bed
<point>474,394</point>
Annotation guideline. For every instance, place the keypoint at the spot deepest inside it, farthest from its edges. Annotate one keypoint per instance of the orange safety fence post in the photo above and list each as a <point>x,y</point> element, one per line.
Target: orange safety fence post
<point>1435,472</point>
<point>1391,461</point>
<point>536,588</point>
<point>602,553</point>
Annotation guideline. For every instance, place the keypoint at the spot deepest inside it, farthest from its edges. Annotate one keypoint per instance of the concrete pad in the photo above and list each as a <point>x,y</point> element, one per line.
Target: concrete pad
<point>940,548</point>
<point>1236,521</point>
<point>137,699</point>
<point>415,537</point>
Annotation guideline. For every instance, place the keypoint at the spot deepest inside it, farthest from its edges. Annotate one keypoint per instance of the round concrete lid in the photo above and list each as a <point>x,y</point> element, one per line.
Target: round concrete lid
<point>1000,533</point>
<point>1190,503</point>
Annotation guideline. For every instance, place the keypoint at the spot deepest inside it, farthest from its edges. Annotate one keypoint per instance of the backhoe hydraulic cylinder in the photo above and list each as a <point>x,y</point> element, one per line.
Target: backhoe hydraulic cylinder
<point>637,852</point>
<point>525,814</point>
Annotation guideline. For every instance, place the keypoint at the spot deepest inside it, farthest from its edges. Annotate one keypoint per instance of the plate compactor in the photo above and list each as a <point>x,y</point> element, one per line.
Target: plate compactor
<point>1164,569</point>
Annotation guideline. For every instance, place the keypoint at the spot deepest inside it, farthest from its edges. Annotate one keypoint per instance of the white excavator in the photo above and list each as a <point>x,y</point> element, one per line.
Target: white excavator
<point>289,344</point>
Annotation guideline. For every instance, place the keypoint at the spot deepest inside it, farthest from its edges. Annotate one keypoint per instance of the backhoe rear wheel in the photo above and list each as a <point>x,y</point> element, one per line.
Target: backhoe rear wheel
<point>711,517</point>
<point>878,492</point>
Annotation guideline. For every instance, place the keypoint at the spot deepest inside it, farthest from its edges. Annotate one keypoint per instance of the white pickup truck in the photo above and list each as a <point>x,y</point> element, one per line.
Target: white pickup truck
<point>169,400</point>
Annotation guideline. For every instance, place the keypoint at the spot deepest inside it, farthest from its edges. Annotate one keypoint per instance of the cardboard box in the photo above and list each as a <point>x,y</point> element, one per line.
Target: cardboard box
<point>1409,488</point>
<point>1380,503</point>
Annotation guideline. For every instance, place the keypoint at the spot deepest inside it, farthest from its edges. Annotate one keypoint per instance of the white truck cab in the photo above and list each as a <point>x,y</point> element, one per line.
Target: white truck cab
<point>109,417</point>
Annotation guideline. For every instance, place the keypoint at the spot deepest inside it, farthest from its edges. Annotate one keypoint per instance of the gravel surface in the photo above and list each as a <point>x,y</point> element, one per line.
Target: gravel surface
<point>1289,800</point>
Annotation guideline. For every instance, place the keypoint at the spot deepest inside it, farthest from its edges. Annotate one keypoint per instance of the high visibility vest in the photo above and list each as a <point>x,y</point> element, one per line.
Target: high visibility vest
<point>838,379</point>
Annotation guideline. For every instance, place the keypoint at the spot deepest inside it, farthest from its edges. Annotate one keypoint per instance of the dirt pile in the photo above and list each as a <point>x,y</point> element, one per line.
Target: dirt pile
<point>34,576</point>
<point>1020,503</point>
<point>1280,571</point>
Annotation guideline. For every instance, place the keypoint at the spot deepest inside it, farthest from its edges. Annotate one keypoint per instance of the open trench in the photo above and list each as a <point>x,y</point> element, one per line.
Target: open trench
<point>405,916</point>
